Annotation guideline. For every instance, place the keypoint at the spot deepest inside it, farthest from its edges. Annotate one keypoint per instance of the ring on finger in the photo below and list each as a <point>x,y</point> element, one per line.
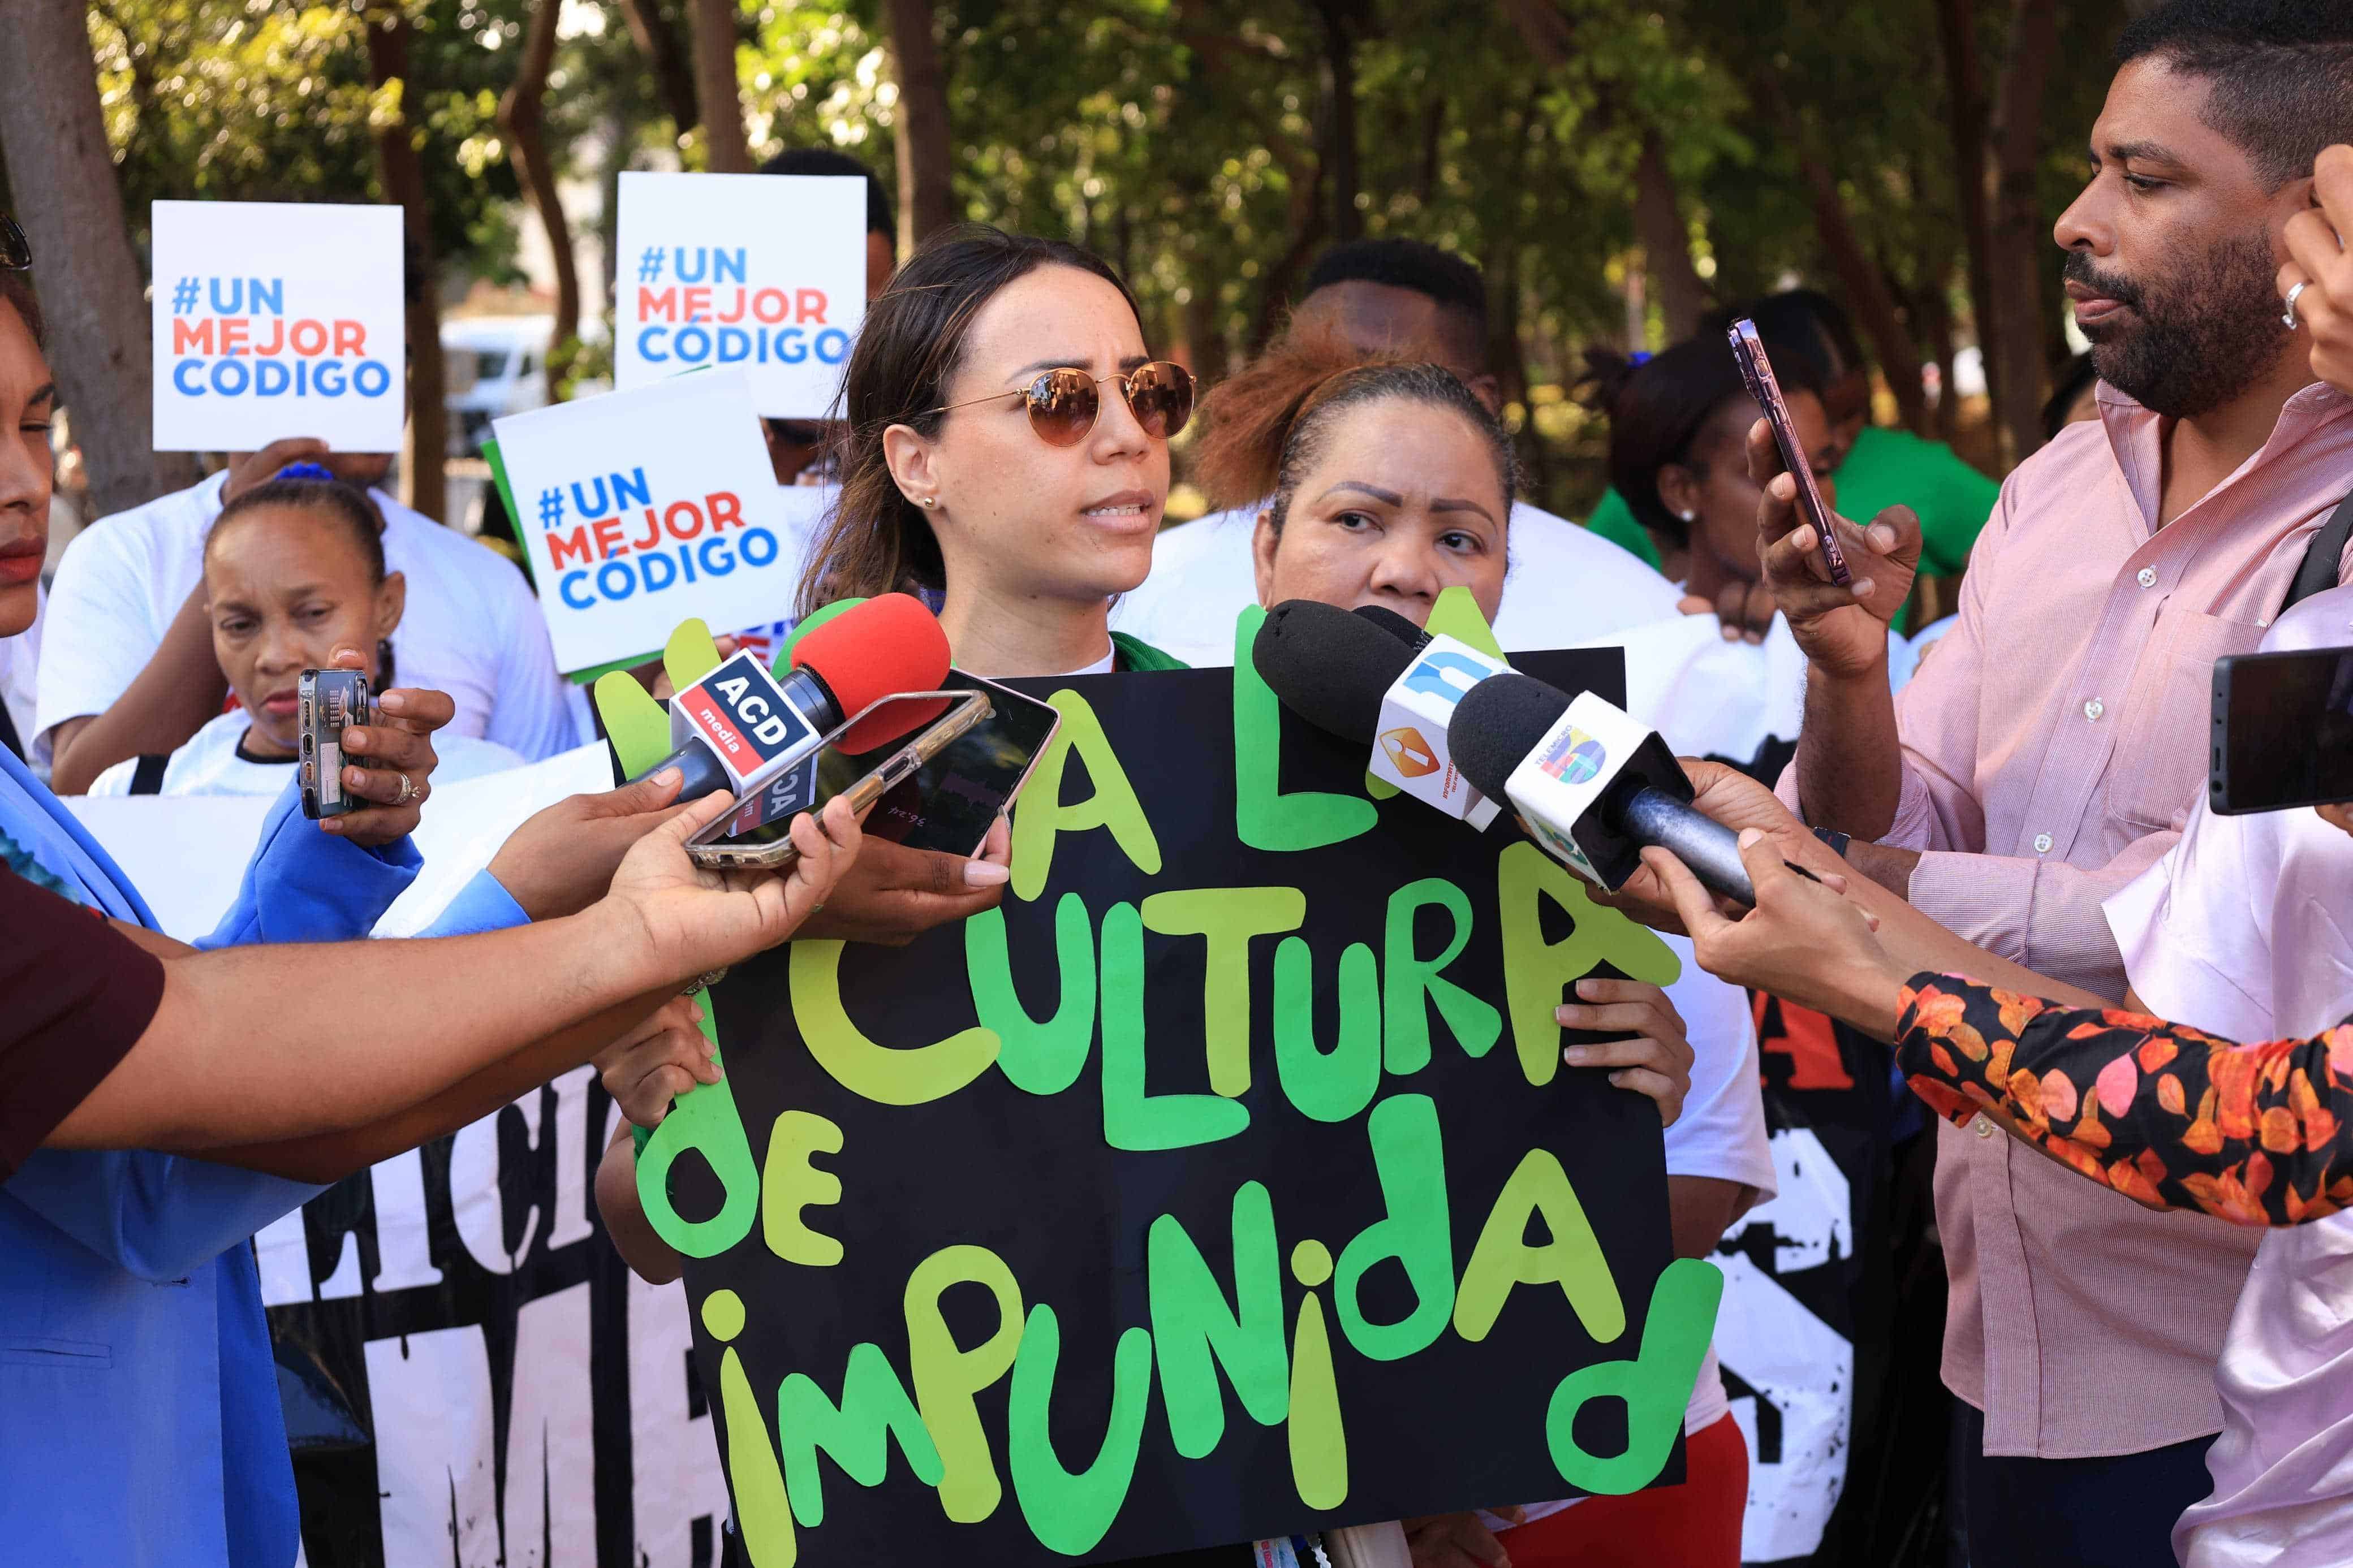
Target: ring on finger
<point>2287,317</point>
<point>408,790</point>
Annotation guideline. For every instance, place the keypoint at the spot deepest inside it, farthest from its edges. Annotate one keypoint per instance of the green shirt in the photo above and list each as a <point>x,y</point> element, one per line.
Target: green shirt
<point>1132,655</point>
<point>1884,467</point>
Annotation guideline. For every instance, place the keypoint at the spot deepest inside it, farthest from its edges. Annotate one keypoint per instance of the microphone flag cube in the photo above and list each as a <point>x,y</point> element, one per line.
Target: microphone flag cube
<point>760,739</point>
<point>1559,787</point>
<point>1409,748</point>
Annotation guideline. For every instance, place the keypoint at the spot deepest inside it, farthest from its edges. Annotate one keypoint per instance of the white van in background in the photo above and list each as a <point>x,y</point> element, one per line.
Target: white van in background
<point>496,366</point>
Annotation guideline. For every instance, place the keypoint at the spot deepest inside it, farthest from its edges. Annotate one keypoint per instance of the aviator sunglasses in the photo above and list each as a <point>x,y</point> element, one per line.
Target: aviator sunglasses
<point>1062,404</point>
<point>16,252</point>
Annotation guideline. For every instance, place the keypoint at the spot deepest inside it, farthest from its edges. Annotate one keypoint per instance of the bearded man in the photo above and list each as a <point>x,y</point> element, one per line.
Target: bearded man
<point>2052,748</point>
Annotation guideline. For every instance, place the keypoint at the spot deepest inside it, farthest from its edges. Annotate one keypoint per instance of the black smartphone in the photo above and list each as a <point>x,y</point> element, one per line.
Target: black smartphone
<point>327,702</point>
<point>2283,730</point>
<point>952,799</point>
<point>1756,370</point>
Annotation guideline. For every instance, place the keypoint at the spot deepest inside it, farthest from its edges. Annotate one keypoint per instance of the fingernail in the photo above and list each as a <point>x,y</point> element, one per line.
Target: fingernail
<point>1862,587</point>
<point>1751,836</point>
<point>1731,634</point>
<point>983,874</point>
<point>668,775</point>
<point>355,739</point>
<point>355,778</point>
<point>1569,1016</point>
<point>393,701</point>
<point>1589,989</point>
<point>694,1011</point>
<point>1576,1055</point>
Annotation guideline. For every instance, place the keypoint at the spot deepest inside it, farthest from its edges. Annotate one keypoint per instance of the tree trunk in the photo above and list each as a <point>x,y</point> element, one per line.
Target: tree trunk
<point>1866,290</point>
<point>919,127</point>
<point>1937,323</point>
<point>1666,243</point>
<point>1340,120</point>
<point>1205,333</point>
<point>658,41</point>
<point>2016,244</point>
<point>715,89</point>
<point>1965,127</point>
<point>522,113</point>
<point>423,457</point>
<point>62,176</point>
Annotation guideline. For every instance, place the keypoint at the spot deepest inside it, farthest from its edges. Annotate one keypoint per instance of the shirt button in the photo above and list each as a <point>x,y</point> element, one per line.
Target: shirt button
<point>1985,1127</point>
<point>2148,576</point>
<point>2043,844</point>
<point>2094,709</point>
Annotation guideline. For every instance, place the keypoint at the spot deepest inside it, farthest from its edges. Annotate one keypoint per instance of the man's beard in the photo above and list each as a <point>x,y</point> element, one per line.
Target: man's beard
<point>2205,335</point>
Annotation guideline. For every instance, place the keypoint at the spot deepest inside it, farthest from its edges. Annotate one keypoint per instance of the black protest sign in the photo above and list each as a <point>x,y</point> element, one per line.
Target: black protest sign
<point>1224,1183</point>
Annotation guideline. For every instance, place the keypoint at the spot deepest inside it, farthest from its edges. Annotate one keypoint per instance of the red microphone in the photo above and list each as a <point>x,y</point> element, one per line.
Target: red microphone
<point>740,726</point>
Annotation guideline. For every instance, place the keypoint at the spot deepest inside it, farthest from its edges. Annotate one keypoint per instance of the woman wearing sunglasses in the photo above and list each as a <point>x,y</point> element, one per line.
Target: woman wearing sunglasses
<point>1007,451</point>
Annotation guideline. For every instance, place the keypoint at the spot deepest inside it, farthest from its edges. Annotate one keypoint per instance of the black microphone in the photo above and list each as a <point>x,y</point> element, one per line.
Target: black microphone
<point>1331,667</point>
<point>1594,784</point>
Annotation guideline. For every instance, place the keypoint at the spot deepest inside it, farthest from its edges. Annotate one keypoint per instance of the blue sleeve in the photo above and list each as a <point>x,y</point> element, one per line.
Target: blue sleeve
<point>482,904</point>
<point>305,885</point>
<point>157,1217</point>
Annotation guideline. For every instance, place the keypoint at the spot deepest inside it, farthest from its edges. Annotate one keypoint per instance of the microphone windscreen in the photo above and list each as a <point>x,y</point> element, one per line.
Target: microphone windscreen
<point>889,642</point>
<point>1497,723</point>
<point>1330,667</point>
<point>1389,621</point>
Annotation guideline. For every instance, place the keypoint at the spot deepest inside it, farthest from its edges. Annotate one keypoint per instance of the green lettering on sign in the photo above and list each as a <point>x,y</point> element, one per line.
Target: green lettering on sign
<point>1265,817</point>
<point>855,1434</point>
<point>1410,1161</point>
<point>886,1075</point>
<point>1228,918</point>
<point>1476,1025</point>
<point>1537,973</point>
<point>1571,1258</point>
<point>1656,1386</point>
<point>790,1184</point>
<point>1035,1057</point>
<point>1132,1119</point>
<point>1335,1085</point>
<point>1041,815</point>
<point>1070,1511</point>
<point>947,1376</point>
<point>1196,1332</point>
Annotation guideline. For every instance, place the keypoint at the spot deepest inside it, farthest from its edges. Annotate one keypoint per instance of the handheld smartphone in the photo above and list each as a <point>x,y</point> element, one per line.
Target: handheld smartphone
<point>328,702</point>
<point>2283,730</point>
<point>952,799</point>
<point>757,834</point>
<point>1756,370</point>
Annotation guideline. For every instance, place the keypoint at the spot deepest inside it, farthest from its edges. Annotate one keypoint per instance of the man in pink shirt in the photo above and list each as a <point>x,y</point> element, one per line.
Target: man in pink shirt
<point>2052,747</point>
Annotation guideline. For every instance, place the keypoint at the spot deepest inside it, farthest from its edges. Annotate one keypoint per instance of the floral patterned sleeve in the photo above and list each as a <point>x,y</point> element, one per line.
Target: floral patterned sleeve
<point>2257,1134</point>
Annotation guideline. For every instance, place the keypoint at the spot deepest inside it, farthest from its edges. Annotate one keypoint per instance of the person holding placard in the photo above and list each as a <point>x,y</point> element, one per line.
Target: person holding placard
<point>127,665</point>
<point>1385,483</point>
<point>293,569</point>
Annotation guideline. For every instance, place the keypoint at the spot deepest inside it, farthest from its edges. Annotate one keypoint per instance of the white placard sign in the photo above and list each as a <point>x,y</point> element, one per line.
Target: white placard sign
<point>275,319</point>
<point>643,508</point>
<point>767,271</point>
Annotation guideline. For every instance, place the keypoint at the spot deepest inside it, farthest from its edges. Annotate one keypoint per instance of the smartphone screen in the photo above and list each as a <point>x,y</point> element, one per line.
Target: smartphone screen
<point>767,817</point>
<point>1756,368</point>
<point>2283,730</point>
<point>949,802</point>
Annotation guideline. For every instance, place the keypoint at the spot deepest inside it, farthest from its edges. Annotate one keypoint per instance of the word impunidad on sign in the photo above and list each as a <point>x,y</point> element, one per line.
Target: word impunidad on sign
<point>274,320</point>
<point>1170,1125</point>
<point>762,272</point>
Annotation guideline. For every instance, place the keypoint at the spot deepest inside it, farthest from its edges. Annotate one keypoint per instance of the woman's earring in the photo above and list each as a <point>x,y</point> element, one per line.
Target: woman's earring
<point>927,501</point>
<point>1687,516</point>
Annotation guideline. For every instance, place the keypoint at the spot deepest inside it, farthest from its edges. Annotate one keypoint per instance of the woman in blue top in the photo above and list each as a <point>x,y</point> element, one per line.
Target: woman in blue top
<point>143,1424</point>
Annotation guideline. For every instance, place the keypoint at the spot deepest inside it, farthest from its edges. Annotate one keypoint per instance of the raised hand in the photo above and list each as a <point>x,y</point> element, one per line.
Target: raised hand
<point>397,747</point>
<point>1842,630</point>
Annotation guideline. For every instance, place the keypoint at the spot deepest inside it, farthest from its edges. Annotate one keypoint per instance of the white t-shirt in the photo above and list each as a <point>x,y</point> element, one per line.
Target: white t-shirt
<point>214,762</point>
<point>2245,931</point>
<point>1566,584</point>
<point>20,662</point>
<point>1711,698</point>
<point>472,628</point>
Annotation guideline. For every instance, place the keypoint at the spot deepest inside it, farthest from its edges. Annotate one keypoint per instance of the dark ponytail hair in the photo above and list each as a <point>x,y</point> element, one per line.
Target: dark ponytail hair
<point>909,349</point>
<point>1658,408</point>
<point>349,508</point>
<point>1264,426</point>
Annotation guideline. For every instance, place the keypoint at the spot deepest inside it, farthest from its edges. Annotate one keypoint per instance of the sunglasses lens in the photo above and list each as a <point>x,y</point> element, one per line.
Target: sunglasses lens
<point>16,254</point>
<point>1062,407</point>
<point>1161,397</point>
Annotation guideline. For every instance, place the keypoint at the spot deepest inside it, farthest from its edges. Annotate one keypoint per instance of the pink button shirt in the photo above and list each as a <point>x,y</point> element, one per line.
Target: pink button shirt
<point>2052,747</point>
<point>2247,930</point>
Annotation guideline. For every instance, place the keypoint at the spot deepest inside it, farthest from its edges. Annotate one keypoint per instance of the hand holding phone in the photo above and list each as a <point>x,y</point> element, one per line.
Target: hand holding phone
<point>1756,370</point>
